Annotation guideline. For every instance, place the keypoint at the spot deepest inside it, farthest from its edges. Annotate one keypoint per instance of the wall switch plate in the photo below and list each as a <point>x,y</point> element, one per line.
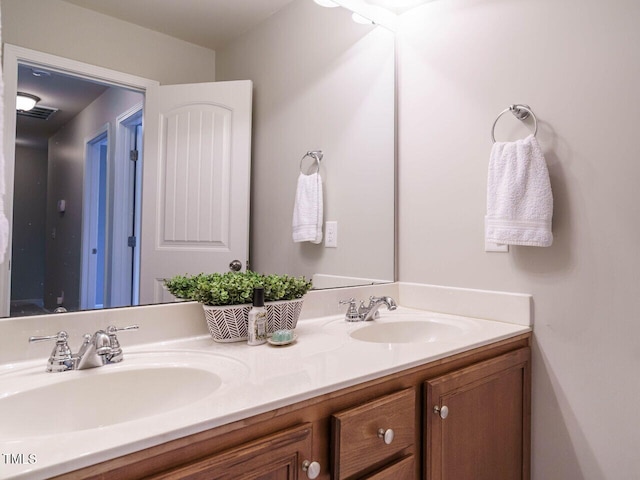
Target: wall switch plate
<point>331,235</point>
<point>496,247</point>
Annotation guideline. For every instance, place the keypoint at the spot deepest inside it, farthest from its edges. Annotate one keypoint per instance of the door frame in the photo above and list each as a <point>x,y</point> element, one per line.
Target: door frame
<point>90,205</point>
<point>127,212</point>
<point>12,56</point>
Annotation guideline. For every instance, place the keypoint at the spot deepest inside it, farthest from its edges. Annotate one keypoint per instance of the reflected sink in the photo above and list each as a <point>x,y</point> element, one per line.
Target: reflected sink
<point>143,385</point>
<point>408,332</point>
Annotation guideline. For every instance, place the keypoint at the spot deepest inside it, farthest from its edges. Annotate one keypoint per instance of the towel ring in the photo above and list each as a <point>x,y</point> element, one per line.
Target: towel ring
<point>521,112</point>
<point>316,155</point>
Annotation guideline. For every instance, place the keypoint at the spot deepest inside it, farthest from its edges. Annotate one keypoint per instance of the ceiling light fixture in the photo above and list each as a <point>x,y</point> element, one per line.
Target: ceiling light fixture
<point>376,12</point>
<point>368,12</point>
<point>326,3</point>
<point>26,101</point>
<point>397,6</point>
<point>356,17</point>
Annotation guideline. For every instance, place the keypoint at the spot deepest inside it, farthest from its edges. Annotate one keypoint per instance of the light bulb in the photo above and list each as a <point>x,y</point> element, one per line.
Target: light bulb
<point>26,101</point>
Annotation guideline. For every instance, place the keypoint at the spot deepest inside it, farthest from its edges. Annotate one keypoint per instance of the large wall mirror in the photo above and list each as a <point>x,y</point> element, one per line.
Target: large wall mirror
<point>320,82</point>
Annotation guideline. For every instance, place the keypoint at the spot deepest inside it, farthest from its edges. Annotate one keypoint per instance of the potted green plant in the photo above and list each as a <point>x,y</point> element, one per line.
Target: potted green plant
<point>226,300</point>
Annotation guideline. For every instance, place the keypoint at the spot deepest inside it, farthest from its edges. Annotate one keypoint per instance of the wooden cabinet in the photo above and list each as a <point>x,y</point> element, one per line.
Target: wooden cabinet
<point>477,421</point>
<point>484,436</point>
<point>373,434</point>
<point>276,457</point>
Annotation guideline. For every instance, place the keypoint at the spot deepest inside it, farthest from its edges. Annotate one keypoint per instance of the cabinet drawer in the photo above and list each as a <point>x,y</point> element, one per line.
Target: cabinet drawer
<point>400,470</point>
<point>357,445</point>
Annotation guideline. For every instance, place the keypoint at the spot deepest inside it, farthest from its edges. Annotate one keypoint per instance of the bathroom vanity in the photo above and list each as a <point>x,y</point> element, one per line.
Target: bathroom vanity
<point>484,435</point>
<point>413,394</point>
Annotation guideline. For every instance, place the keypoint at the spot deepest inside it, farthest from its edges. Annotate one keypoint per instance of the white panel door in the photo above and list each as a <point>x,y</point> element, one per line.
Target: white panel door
<point>195,196</point>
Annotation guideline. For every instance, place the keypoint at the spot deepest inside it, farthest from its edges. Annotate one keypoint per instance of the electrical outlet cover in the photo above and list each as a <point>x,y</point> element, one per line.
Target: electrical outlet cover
<point>331,235</point>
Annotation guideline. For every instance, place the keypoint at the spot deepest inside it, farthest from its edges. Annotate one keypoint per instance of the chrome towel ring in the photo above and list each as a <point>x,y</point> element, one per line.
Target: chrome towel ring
<point>316,155</point>
<point>521,112</point>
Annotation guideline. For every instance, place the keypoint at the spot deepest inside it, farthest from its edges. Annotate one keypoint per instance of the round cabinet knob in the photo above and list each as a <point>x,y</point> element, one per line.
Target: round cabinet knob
<point>311,468</point>
<point>386,435</point>
<point>442,411</point>
<point>235,266</point>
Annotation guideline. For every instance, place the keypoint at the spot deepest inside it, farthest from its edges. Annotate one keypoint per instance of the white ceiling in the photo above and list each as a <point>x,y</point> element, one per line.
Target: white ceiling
<point>68,94</point>
<point>209,23</point>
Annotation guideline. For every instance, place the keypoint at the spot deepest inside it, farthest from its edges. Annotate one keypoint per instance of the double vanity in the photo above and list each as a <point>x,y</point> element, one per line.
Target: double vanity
<point>411,394</point>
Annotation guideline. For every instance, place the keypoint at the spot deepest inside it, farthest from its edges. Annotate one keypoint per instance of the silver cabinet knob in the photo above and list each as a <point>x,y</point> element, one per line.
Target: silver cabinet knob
<point>442,411</point>
<point>235,266</point>
<point>312,469</point>
<point>387,435</point>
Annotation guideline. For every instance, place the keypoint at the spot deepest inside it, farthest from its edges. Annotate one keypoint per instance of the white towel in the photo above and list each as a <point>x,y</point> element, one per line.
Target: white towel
<point>519,199</point>
<point>307,211</point>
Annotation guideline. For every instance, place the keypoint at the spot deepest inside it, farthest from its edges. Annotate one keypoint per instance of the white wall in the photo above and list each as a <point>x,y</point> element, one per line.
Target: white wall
<point>576,64</point>
<point>63,29</point>
<point>30,196</point>
<point>320,82</point>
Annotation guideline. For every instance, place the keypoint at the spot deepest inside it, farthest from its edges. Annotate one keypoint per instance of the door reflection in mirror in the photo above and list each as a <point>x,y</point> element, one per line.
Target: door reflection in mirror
<point>79,212</point>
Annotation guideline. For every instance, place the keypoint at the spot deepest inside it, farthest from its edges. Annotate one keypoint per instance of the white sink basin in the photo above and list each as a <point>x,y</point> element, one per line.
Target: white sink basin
<point>407,332</point>
<point>144,384</point>
<point>405,328</point>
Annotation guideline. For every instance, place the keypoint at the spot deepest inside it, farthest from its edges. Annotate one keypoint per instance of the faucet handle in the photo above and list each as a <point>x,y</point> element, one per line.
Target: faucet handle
<point>116,349</point>
<point>60,359</point>
<point>347,302</point>
<point>61,336</point>
<point>112,329</point>
<point>352,314</point>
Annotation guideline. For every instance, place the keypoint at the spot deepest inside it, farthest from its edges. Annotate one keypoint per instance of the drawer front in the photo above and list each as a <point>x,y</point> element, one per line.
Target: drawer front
<point>401,470</point>
<point>358,442</point>
<point>276,456</point>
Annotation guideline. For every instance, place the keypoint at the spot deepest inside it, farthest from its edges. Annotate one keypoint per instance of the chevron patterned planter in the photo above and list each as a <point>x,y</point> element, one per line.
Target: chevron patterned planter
<point>283,315</point>
<point>228,323</point>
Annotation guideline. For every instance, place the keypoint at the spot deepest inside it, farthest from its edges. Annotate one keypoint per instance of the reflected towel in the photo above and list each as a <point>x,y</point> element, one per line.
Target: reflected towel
<point>519,198</point>
<point>307,211</point>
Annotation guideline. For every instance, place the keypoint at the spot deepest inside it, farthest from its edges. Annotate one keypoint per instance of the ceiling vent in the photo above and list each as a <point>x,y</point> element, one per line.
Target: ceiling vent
<point>39,111</point>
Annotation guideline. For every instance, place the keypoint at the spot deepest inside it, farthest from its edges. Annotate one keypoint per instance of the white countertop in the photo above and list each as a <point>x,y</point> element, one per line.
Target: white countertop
<point>258,379</point>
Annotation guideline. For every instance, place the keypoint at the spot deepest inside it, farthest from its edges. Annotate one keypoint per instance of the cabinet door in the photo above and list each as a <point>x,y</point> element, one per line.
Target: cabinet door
<point>478,421</point>
<point>275,457</point>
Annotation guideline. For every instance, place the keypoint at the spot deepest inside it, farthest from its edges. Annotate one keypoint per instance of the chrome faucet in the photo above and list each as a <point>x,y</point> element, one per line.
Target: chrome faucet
<point>101,348</point>
<point>352,314</point>
<point>370,312</point>
<point>367,312</point>
<point>95,351</point>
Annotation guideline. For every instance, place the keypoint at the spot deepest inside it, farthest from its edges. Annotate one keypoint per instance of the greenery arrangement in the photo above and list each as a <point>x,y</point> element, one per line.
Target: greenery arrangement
<point>236,288</point>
